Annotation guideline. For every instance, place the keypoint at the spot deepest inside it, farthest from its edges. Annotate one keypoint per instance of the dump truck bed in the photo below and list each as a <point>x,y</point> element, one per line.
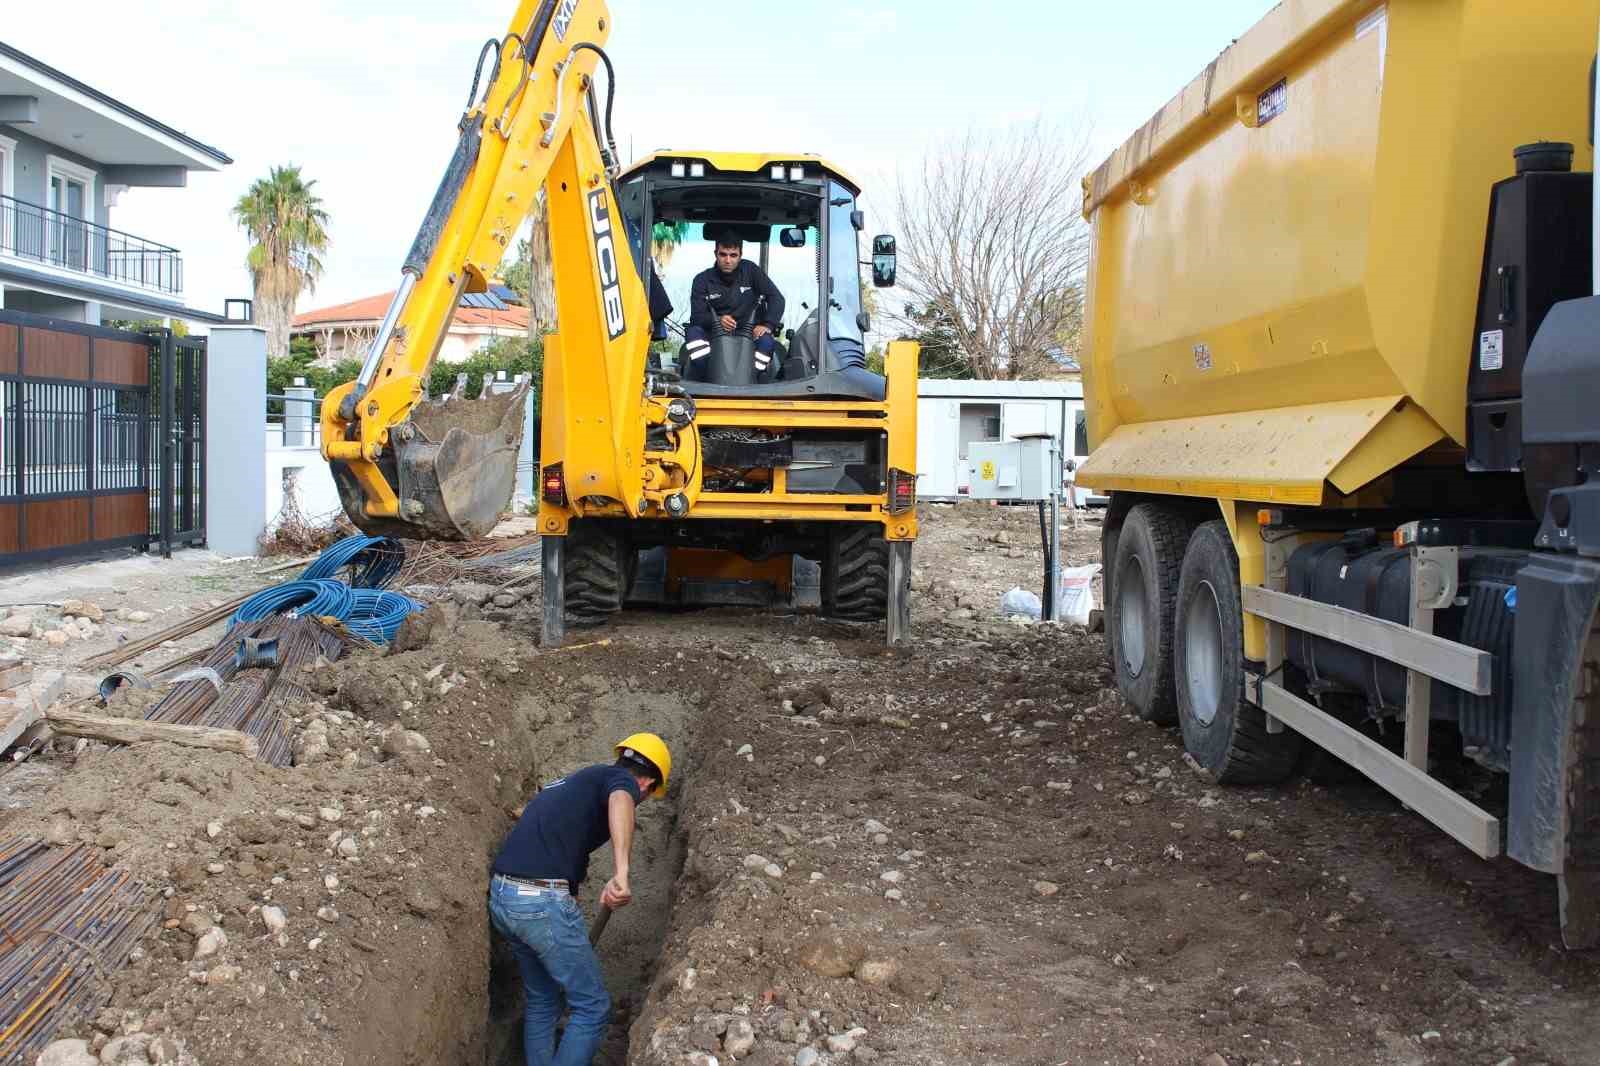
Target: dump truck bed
<point>1281,294</point>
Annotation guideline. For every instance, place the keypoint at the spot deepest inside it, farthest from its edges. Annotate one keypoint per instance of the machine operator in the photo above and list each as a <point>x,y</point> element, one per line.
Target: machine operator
<point>725,296</point>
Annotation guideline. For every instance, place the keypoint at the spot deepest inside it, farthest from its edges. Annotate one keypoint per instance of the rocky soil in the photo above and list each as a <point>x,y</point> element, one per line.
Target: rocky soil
<point>966,851</point>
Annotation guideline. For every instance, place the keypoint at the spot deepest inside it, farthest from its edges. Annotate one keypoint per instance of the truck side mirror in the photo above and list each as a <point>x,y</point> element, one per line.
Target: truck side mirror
<point>858,219</point>
<point>883,261</point>
<point>792,237</point>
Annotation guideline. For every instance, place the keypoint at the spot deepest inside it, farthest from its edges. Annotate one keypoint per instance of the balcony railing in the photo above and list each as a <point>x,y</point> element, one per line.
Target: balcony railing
<point>29,231</point>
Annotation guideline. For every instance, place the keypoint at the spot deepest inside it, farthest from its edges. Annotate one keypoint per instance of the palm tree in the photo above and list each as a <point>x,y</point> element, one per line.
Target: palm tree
<point>283,215</point>
<point>664,240</point>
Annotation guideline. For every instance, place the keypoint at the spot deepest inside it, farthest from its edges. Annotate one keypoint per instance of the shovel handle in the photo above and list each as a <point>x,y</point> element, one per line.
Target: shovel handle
<point>599,925</point>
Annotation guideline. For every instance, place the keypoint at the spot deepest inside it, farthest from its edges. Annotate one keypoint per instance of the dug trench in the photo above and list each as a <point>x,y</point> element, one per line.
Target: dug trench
<point>964,851</point>
<point>333,912</point>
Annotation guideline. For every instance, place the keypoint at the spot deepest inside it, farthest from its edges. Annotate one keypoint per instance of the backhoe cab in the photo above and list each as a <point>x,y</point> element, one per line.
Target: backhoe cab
<point>808,460</point>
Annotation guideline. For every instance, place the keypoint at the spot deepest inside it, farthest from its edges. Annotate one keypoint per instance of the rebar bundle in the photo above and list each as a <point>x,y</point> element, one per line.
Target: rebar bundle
<point>67,924</point>
<point>251,700</point>
<point>439,562</point>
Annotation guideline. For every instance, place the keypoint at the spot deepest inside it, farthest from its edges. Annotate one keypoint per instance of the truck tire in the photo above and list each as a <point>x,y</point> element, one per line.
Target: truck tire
<point>1108,557</point>
<point>1139,608</point>
<point>597,574</point>
<point>1225,734</point>
<point>855,573</point>
<point>1578,882</point>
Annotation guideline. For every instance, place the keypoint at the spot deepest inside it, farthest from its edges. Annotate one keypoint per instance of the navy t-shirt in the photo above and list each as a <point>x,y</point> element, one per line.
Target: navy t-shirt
<point>562,824</point>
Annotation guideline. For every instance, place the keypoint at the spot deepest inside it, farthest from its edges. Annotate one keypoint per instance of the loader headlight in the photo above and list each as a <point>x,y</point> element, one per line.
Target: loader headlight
<point>797,173</point>
<point>678,170</point>
<point>697,170</point>
<point>777,172</point>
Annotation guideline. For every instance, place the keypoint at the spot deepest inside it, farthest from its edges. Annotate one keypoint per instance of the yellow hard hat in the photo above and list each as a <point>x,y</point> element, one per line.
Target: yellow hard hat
<point>652,748</point>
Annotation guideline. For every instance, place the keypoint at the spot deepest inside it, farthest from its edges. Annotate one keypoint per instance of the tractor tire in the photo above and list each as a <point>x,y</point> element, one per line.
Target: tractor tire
<point>1142,590</point>
<point>855,574</point>
<point>1226,734</point>
<point>599,568</point>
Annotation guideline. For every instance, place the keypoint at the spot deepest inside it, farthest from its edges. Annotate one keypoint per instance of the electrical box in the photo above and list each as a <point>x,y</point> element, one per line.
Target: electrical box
<point>1011,470</point>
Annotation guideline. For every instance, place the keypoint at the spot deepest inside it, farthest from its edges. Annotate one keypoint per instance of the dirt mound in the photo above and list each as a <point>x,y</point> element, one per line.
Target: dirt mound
<point>343,898</point>
<point>971,852</point>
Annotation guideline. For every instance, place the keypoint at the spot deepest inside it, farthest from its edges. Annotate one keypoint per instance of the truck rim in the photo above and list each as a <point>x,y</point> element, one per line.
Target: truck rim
<point>1202,653</point>
<point>1130,616</point>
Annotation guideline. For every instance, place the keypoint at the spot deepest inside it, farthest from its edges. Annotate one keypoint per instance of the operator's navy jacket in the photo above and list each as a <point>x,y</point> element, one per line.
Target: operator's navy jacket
<point>715,294</point>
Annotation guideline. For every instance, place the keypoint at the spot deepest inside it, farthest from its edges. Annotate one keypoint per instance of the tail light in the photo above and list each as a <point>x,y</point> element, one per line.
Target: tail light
<point>902,491</point>
<point>554,485</point>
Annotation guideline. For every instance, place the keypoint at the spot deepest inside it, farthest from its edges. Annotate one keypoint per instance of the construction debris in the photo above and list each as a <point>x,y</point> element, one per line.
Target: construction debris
<point>70,924</point>
<point>132,731</point>
<point>187,628</point>
<point>251,699</point>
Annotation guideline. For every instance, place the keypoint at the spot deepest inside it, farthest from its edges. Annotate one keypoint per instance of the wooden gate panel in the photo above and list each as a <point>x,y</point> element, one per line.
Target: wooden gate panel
<point>121,362</point>
<point>51,524</point>
<point>48,353</point>
<point>127,515</point>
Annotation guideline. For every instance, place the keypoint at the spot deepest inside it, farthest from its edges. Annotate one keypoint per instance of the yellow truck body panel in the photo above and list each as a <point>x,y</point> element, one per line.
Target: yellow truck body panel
<point>1281,295</point>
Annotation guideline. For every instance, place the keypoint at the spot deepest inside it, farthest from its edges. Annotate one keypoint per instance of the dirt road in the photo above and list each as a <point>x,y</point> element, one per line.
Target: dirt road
<point>963,852</point>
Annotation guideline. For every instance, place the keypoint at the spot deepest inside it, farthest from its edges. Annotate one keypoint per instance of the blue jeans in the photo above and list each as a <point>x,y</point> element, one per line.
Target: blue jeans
<point>551,944</point>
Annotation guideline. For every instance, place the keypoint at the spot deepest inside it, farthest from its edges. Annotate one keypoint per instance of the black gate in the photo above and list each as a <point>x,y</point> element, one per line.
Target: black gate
<point>101,438</point>
<point>179,365</point>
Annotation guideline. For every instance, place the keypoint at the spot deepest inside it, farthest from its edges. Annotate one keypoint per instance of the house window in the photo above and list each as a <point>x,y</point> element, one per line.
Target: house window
<point>70,189</point>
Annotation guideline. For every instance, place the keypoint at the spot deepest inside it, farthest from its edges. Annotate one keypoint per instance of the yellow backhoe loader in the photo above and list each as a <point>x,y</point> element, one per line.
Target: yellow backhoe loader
<point>654,482</point>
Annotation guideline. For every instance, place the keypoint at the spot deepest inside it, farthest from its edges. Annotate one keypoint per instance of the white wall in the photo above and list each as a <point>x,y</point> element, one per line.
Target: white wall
<point>236,382</point>
<point>312,481</point>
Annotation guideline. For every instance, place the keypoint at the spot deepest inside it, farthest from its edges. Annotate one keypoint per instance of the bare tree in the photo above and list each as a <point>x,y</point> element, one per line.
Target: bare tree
<point>993,246</point>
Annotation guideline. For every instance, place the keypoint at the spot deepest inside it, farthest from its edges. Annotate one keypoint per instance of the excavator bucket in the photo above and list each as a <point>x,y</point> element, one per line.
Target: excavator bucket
<point>453,465</point>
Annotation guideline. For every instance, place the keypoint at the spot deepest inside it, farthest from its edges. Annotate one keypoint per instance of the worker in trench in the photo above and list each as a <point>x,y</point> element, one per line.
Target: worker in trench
<point>533,895</point>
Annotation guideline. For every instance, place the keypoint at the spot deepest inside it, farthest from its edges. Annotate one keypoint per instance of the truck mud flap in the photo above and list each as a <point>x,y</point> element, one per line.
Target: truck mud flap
<point>1553,823</point>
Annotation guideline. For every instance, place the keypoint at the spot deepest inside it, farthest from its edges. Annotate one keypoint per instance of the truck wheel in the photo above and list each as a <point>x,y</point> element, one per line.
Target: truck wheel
<point>1108,558</point>
<point>1141,592</point>
<point>1579,879</point>
<point>1225,734</point>
<point>599,568</point>
<point>855,573</point>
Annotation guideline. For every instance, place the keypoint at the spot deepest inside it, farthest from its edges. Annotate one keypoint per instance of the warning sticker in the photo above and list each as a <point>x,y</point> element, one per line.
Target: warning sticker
<point>987,472</point>
<point>1491,349</point>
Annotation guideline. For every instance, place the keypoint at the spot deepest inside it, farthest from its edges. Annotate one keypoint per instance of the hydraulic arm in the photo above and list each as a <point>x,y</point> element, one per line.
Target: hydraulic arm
<point>446,469</point>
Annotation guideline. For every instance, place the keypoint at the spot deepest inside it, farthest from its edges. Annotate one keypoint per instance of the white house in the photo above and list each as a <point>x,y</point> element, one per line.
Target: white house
<point>345,331</point>
<point>951,415</point>
<point>67,152</point>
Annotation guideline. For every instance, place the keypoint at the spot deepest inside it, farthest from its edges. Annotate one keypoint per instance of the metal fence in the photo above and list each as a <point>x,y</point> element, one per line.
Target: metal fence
<point>51,237</point>
<point>102,436</point>
<point>294,419</point>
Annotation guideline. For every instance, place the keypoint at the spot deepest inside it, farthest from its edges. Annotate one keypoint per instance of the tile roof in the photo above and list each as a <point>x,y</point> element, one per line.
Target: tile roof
<point>371,309</point>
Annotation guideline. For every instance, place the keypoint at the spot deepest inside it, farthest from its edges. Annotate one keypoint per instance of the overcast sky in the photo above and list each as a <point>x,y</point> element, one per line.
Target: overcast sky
<point>364,94</point>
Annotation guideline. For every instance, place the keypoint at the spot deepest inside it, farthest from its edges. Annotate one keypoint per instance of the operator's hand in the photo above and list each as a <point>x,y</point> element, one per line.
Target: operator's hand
<point>616,895</point>
<point>761,330</point>
<point>728,323</point>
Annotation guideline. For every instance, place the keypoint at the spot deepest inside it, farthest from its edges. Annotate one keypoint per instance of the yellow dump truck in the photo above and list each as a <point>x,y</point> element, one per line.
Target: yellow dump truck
<point>1343,388</point>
